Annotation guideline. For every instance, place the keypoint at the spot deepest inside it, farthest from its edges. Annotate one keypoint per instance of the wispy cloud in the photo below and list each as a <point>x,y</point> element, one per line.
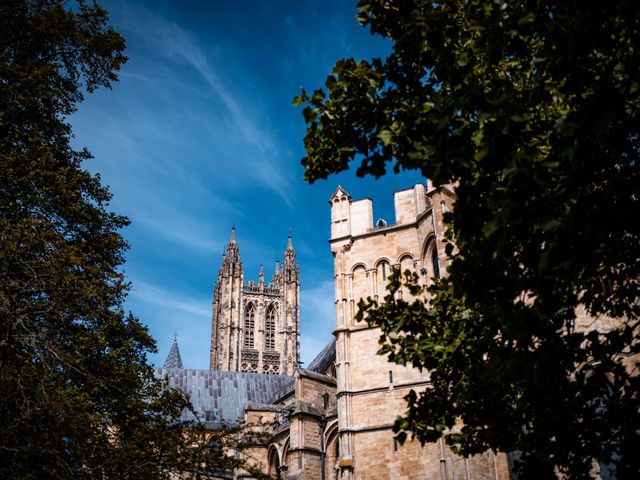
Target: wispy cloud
<point>158,297</point>
<point>183,230</point>
<point>264,161</point>
<point>198,135</point>
<point>167,312</point>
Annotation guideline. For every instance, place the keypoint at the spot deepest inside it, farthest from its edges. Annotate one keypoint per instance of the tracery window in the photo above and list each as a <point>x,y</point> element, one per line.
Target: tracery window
<point>270,329</point>
<point>249,325</point>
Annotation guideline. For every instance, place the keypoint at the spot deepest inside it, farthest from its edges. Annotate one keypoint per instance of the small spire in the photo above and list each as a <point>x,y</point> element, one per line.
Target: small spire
<point>173,359</point>
<point>261,274</point>
<point>277,275</point>
<point>289,244</point>
<point>233,234</point>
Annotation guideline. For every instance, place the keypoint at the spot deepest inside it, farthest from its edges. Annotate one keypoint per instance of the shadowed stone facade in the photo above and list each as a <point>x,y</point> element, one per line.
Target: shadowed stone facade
<point>333,420</point>
<point>369,389</point>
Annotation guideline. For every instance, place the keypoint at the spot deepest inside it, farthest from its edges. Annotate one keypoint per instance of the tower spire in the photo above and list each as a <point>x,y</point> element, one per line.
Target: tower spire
<point>289,253</point>
<point>277,274</point>
<point>250,318</point>
<point>173,359</point>
<point>290,264</point>
<point>231,264</point>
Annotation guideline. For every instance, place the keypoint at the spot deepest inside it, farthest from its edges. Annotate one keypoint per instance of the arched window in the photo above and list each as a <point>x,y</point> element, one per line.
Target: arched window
<point>249,325</point>
<point>383,270</point>
<point>359,283</point>
<point>270,329</point>
<point>430,260</point>
<point>435,263</point>
<point>406,262</point>
<point>274,461</point>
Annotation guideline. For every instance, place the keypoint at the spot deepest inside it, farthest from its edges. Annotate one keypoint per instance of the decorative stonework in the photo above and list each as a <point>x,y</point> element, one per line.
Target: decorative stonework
<point>370,390</point>
<point>249,361</point>
<point>256,325</point>
<point>271,363</point>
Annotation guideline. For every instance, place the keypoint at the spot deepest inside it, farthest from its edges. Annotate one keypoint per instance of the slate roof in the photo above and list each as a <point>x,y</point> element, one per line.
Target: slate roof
<point>283,391</point>
<point>324,358</point>
<point>220,397</point>
<point>318,365</point>
<point>174,360</point>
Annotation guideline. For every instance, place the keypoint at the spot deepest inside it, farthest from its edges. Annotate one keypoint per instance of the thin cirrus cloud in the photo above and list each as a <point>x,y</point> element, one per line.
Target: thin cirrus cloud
<point>261,156</point>
<point>186,314</point>
<point>161,298</point>
<point>199,134</point>
<point>187,231</point>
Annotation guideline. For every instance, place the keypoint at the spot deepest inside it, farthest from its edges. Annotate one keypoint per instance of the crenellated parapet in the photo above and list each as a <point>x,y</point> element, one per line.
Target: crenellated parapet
<point>352,218</point>
<point>369,389</point>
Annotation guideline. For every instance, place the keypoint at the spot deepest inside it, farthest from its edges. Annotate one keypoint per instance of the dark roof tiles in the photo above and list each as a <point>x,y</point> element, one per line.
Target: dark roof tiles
<point>324,358</point>
<point>173,359</point>
<point>219,397</point>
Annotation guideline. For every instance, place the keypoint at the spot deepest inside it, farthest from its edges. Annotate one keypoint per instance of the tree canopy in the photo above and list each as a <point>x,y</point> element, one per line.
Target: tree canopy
<point>79,399</point>
<point>532,110</point>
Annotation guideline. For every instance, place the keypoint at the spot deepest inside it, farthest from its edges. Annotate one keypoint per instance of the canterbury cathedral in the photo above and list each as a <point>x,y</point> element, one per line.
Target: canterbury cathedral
<point>333,419</point>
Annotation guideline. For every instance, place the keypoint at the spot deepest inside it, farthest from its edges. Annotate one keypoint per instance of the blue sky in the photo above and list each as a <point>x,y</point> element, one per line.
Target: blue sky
<point>199,134</point>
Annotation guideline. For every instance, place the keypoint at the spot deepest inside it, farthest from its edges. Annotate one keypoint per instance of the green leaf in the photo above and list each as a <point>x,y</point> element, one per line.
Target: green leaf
<point>530,109</point>
<point>385,136</point>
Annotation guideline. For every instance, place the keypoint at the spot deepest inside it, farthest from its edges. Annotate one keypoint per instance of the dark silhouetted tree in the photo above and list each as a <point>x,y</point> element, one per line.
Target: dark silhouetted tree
<point>532,110</point>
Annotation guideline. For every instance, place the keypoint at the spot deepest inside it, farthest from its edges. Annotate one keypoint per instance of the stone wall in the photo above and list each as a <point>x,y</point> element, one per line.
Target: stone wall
<point>370,390</point>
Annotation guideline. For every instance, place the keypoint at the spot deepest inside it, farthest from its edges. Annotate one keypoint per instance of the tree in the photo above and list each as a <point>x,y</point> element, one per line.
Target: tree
<point>78,397</point>
<point>225,450</point>
<point>531,109</point>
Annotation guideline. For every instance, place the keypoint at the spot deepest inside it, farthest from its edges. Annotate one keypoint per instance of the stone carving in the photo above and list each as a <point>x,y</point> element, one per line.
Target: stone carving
<point>260,335</point>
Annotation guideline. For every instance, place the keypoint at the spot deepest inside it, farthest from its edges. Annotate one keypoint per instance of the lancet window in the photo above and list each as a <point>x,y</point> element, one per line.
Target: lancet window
<point>249,325</point>
<point>383,272</point>
<point>430,261</point>
<point>270,329</point>
<point>435,262</point>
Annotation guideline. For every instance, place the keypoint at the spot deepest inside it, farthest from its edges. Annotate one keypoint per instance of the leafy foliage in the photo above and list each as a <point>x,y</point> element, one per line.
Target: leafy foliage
<point>78,397</point>
<point>217,453</point>
<point>531,109</point>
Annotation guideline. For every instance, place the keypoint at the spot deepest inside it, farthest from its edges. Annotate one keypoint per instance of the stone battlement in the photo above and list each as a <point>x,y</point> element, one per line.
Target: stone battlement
<point>269,289</point>
<point>355,217</point>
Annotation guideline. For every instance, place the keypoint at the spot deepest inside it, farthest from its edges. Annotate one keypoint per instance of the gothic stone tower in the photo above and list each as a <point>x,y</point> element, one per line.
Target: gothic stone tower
<point>370,389</point>
<point>256,326</point>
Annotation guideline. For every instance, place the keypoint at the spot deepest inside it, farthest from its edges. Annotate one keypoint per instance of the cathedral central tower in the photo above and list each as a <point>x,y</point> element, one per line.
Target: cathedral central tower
<point>256,326</point>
